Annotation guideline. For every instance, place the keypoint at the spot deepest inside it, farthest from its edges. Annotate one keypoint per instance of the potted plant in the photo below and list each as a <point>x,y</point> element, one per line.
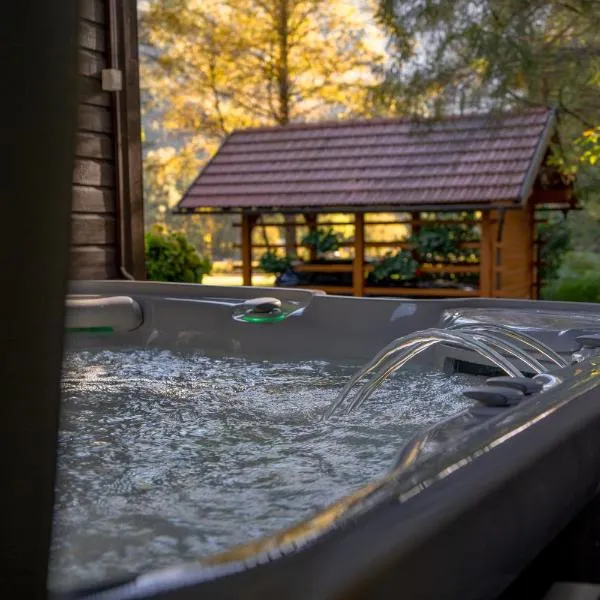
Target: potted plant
<point>394,269</point>
<point>433,243</point>
<point>271,263</point>
<point>281,267</point>
<point>439,244</point>
<point>324,243</point>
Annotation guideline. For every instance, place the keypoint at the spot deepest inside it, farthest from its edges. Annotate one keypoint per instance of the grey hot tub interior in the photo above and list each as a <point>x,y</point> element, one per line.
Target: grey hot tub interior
<point>462,521</point>
<point>200,317</point>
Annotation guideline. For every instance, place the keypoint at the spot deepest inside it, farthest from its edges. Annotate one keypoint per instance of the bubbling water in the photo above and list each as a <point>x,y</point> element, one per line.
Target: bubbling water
<point>167,457</point>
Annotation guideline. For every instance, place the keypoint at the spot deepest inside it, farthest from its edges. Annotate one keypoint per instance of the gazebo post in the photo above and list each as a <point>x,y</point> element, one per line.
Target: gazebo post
<point>247,226</point>
<point>358,272</point>
<point>311,221</point>
<point>486,263</point>
<point>286,192</point>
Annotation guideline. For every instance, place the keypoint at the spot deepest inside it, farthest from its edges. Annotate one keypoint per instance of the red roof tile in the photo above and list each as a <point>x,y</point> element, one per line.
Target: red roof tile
<point>473,160</point>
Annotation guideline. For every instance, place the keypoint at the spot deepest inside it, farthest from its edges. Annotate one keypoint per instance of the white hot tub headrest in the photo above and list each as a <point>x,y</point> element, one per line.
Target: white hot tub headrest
<point>97,313</point>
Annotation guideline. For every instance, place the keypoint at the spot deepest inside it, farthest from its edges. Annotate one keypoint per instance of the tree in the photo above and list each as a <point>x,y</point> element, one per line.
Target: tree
<point>459,55</point>
<point>212,66</point>
<point>468,51</point>
<point>455,56</point>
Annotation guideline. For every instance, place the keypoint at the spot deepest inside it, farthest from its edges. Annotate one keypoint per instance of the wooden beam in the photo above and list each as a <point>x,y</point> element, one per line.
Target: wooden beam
<point>415,221</point>
<point>290,225</point>
<point>123,53</point>
<point>358,276</point>
<point>311,220</point>
<point>397,291</point>
<point>324,268</point>
<point>486,260</point>
<point>553,196</point>
<point>343,290</point>
<point>390,244</point>
<point>450,268</point>
<point>433,292</point>
<point>247,225</point>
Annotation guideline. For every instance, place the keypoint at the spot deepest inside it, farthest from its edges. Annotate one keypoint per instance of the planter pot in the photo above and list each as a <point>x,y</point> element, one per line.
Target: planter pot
<point>288,278</point>
<point>445,284</point>
<point>393,283</point>
<point>389,283</point>
<point>416,283</point>
<point>341,278</point>
<point>329,261</point>
<point>294,278</point>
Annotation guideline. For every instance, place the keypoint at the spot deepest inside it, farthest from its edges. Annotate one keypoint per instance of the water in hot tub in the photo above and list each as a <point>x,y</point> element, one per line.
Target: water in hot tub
<point>166,457</point>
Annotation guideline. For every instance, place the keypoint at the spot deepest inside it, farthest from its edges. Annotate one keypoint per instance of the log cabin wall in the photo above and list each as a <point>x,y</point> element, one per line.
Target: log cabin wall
<point>107,215</point>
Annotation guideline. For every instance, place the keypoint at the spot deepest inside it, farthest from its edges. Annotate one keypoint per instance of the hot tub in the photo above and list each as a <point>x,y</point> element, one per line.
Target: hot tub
<point>466,502</point>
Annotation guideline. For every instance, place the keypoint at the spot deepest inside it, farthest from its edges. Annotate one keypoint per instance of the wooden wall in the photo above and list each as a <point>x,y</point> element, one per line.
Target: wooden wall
<point>107,186</point>
<point>508,256</point>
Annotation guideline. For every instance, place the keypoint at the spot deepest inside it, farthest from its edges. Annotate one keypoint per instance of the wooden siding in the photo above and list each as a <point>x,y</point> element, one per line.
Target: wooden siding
<point>94,253</point>
<point>512,256</point>
<point>107,185</point>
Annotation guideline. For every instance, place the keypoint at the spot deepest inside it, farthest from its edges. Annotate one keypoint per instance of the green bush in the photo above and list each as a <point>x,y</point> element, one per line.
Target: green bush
<point>555,238</point>
<point>170,257</point>
<point>271,263</point>
<point>322,241</point>
<point>395,267</point>
<point>440,242</point>
<point>578,279</point>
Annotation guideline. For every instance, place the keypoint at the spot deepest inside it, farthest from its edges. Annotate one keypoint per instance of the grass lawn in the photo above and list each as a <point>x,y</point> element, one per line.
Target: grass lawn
<point>234,279</point>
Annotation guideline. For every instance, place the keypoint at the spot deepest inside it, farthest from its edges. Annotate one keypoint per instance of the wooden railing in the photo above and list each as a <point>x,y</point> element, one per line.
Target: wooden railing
<point>360,268</point>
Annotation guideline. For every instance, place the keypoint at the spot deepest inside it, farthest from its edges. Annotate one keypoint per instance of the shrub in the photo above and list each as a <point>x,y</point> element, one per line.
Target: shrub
<point>271,263</point>
<point>578,279</point>
<point>170,257</point>
<point>556,242</point>
<point>322,241</point>
<point>395,267</point>
<point>440,242</point>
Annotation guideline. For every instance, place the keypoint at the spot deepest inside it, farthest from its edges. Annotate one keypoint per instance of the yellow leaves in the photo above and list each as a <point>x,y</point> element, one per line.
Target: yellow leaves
<point>480,65</point>
<point>435,90</point>
<point>212,66</point>
<point>168,169</point>
<point>220,63</point>
<point>592,135</point>
<point>518,81</point>
<point>589,145</point>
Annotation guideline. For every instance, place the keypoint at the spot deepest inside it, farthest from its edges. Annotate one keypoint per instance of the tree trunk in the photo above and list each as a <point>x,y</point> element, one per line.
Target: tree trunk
<point>283,117</point>
<point>283,76</point>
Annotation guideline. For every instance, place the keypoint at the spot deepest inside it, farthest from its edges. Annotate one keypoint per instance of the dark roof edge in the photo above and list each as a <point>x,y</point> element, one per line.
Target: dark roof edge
<point>387,120</point>
<point>347,208</point>
<point>538,157</point>
<point>195,180</point>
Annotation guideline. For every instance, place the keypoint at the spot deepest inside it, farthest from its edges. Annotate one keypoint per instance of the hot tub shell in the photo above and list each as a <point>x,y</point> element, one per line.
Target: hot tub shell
<point>461,522</point>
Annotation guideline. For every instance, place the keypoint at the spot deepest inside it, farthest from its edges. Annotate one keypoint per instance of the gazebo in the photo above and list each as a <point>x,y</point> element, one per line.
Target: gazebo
<point>487,174</point>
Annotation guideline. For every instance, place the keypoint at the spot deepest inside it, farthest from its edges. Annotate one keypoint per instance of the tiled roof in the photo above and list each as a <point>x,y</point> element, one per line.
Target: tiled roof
<point>472,160</point>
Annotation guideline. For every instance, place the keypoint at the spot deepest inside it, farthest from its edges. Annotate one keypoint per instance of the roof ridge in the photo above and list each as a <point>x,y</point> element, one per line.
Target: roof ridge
<point>475,146</point>
<point>373,121</point>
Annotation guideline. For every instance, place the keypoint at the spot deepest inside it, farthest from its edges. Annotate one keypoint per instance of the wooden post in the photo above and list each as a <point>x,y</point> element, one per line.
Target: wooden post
<point>311,221</point>
<point>247,225</point>
<point>358,273</point>
<point>415,228</point>
<point>536,244</point>
<point>486,259</point>
<point>290,234</point>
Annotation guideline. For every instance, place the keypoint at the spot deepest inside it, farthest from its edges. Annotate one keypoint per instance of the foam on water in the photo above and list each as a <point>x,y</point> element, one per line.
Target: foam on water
<point>166,457</point>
